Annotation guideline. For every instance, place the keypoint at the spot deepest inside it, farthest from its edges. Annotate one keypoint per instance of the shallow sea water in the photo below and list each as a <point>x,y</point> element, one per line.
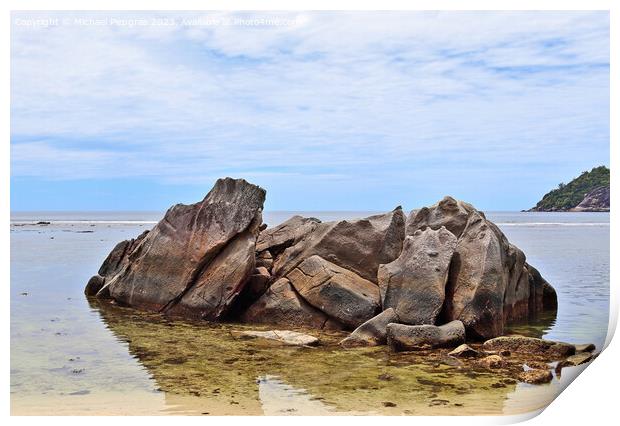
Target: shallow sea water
<point>70,355</point>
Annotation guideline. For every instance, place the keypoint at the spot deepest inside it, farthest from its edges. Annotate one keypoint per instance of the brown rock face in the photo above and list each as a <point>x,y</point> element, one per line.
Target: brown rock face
<point>414,284</point>
<point>199,250</point>
<point>359,246</point>
<point>373,332</point>
<point>475,294</point>
<point>338,292</point>
<point>220,282</point>
<point>282,305</point>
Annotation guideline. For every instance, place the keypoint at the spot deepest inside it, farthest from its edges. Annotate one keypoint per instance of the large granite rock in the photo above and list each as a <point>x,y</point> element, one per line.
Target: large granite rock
<point>197,257</point>
<point>359,245</point>
<point>215,260</point>
<point>338,292</point>
<point>414,284</point>
<point>373,332</point>
<point>281,305</point>
<point>478,279</point>
<point>401,337</point>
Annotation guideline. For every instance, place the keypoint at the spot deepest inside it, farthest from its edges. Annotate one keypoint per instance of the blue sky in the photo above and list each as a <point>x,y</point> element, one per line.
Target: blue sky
<point>327,111</point>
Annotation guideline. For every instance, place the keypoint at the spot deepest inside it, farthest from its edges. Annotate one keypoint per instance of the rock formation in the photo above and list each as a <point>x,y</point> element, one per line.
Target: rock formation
<point>215,260</point>
<point>196,260</point>
<point>597,200</point>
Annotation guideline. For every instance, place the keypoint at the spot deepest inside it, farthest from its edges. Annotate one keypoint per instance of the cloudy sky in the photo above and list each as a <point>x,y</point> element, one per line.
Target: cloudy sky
<point>327,111</point>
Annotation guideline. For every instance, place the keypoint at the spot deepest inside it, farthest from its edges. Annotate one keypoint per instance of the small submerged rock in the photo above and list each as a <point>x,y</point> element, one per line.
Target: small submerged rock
<point>464,351</point>
<point>574,360</point>
<point>283,336</point>
<point>586,347</point>
<point>536,376</point>
<point>491,361</point>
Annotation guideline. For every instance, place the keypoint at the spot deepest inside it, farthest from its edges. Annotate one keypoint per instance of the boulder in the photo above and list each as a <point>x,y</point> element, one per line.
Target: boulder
<point>536,376</point>
<point>401,337</point>
<point>449,213</point>
<point>281,305</point>
<point>542,295</point>
<point>464,351</point>
<point>574,360</point>
<point>490,283</point>
<point>491,361</point>
<point>478,277</point>
<point>537,365</point>
<point>286,234</point>
<point>373,332</point>
<point>530,345</point>
<point>338,292</point>
<point>359,245</point>
<point>199,250</point>
<point>414,283</point>
<point>586,347</point>
<point>286,337</point>
<point>94,285</point>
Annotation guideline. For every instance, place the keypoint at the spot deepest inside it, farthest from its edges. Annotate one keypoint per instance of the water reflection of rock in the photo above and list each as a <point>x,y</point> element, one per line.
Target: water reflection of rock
<point>534,327</point>
<point>202,368</point>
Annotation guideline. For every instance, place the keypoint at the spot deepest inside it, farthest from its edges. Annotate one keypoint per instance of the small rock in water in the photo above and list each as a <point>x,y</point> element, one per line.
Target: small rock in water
<point>388,404</point>
<point>464,351</point>
<point>284,336</point>
<point>537,365</point>
<point>536,376</point>
<point>401,337</point>
<point>491,361</point>
<point>373,332</point>
<point>578,359</point>
<point>587,347</point>
<point>530,345</point>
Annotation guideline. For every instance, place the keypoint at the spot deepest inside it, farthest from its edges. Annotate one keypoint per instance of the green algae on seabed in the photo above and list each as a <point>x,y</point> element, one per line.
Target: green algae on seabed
<point>202,368</point>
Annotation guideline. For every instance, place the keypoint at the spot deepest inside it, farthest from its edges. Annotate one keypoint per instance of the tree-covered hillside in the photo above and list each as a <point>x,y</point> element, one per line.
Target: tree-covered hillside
<point>568,196</point>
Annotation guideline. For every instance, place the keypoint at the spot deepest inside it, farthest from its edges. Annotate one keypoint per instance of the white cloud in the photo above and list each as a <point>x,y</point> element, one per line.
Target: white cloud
<point>335,95</point>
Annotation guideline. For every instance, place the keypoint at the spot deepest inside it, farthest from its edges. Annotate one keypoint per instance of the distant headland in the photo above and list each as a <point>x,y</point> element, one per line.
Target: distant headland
<point>587,193</point>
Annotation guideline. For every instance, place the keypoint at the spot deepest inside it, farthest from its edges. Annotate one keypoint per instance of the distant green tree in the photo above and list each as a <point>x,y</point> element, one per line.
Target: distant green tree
<point>567,196</point>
